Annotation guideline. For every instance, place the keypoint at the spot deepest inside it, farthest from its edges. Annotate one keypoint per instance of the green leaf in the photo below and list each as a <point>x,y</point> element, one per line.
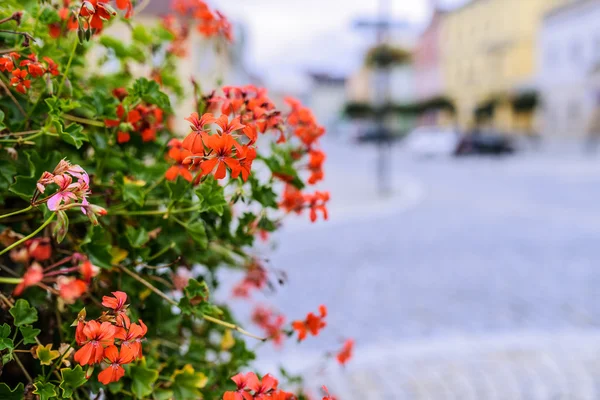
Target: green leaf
<point>71,380</point>
<point>149,91</point>
<point>7,394</point>
<point>161,394</point>
<point>5,341</point>
<point>197,231</point>
<point>46,390</point>
<point>212,196</point>
<point>23,313</point>
<point>187,382</point>
<point>2,126</point>
<point>97,246</point>
<point>73,134</point>
<point>178,188</point>
<point>115,44</point>
<point>195,293</point>
<point>46,355</point>
<point>49,16</point>
<point>143,379</point>
<point>134,193</point>
<point>29,334</point>
<point>141,34</point>
<point>137,237</point>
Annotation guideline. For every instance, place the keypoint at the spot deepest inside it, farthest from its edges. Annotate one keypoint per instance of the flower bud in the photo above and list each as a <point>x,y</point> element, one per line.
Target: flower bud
<point>62,225</point>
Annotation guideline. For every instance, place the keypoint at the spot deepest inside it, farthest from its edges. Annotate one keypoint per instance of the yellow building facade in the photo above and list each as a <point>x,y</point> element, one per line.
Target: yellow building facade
<point>488,54</point>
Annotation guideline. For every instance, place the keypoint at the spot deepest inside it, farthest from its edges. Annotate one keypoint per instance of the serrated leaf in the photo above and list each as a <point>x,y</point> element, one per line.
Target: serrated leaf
<point>197,232</point>
<point>23,313</point>
<point>29,334</point>
<point>212,196</point>
<point>6,393</point>
<point>73,134</point>
<point>71,380</point>
<point>46,390</point>
<point>150,92</point>
<point>134,193</point>
<point>178,188</point>
<point>142,380</point>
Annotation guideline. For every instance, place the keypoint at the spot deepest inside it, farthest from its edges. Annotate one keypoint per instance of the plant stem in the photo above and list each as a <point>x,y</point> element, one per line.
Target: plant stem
<point>174,303</point>
<point>10,281</point>
<point>38,230</point>
<point>16,212</point>
<point>158,212</point>
<point>16,358</point>
<point>14,100</point>
<point>84,120</point>
<point>21,133</point>
<point>60,359</point>
<point>64,78</point>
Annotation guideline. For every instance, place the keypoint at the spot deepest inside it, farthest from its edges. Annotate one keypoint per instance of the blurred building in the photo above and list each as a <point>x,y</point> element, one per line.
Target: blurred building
<point>569,76</point>
<point>488,56</point>
<point>427,62</point>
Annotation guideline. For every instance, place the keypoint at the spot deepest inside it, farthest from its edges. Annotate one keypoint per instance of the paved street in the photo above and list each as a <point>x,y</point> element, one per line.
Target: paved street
<point>478,278</point>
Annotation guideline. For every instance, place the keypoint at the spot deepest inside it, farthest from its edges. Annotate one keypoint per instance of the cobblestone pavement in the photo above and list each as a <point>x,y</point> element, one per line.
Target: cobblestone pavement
<point>477,279</point>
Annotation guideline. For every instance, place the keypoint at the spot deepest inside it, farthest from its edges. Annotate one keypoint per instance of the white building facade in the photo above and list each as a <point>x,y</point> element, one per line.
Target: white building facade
<point>568,65</point>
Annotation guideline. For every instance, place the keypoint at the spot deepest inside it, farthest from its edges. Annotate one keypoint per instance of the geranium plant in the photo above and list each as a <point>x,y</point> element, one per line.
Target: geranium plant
<point>113,225</point>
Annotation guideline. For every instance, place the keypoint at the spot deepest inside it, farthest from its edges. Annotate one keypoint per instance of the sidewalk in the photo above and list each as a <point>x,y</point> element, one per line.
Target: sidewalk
<point>528,366</point>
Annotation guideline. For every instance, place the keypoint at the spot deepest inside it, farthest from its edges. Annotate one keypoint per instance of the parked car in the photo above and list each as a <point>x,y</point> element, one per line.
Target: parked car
<point>478,142</point>
<point>431,141</point>
<point>376,135</point>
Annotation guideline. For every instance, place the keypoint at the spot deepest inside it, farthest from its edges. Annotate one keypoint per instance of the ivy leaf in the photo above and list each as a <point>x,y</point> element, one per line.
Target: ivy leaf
<point>23,313</point>
<point>143,379</point>
<point>71,380</point>
<point>7,394</point>
<point>97,246</point>
<point>5,341</point>
<point>187,382</point>
<point>197,231</point>
<point>29,334</point>
<point>73,134</point>
<point>46,390</point>
<point>149,91</point>
<point>212,196</point>
<point>46,355</point>
<point>137,237</point>
<point>2,126</point>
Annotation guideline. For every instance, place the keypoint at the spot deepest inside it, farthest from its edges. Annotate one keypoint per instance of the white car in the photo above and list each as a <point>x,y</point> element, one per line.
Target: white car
<point>432,141</point>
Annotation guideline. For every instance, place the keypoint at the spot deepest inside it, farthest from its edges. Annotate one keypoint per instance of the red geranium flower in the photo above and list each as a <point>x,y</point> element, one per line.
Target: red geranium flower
<point>346,352</point>
<point>132,337</point>
<point>245,156</point>
<point>116,359</point>
<point>242,382</point>
<point>263,387</point>
<point>312,324</point>
<point>70,288</point>
<point>33,275</point>
<point>221,155</point>
<point>178,154</point>
<point>18,80</point>
<point>94,337</point>
<point>117,303</point>
<point>194,141</point>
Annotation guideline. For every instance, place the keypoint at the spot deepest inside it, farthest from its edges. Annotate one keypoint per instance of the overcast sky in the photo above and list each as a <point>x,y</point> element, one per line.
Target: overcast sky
<point>292,36</point>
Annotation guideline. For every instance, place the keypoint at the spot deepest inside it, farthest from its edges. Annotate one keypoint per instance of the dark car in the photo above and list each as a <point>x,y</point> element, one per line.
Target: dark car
<point>485,143</point>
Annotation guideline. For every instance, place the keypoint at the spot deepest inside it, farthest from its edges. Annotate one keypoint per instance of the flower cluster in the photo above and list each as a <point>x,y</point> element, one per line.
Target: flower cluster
<point>209,23</point>
<point>23,71</point>
<point>70,193</point>
<point>311,324</point>
<point>96,12</point>
<point>216,153</point>
<point>143,119</point>
<point>34,252</point>
<point>68,20</point>
<point>296,201</point>
<point>256,278</point>
<point>98,339</point>
<point>180,33</point>
<point>270,322</point>
<point>249,387</point>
